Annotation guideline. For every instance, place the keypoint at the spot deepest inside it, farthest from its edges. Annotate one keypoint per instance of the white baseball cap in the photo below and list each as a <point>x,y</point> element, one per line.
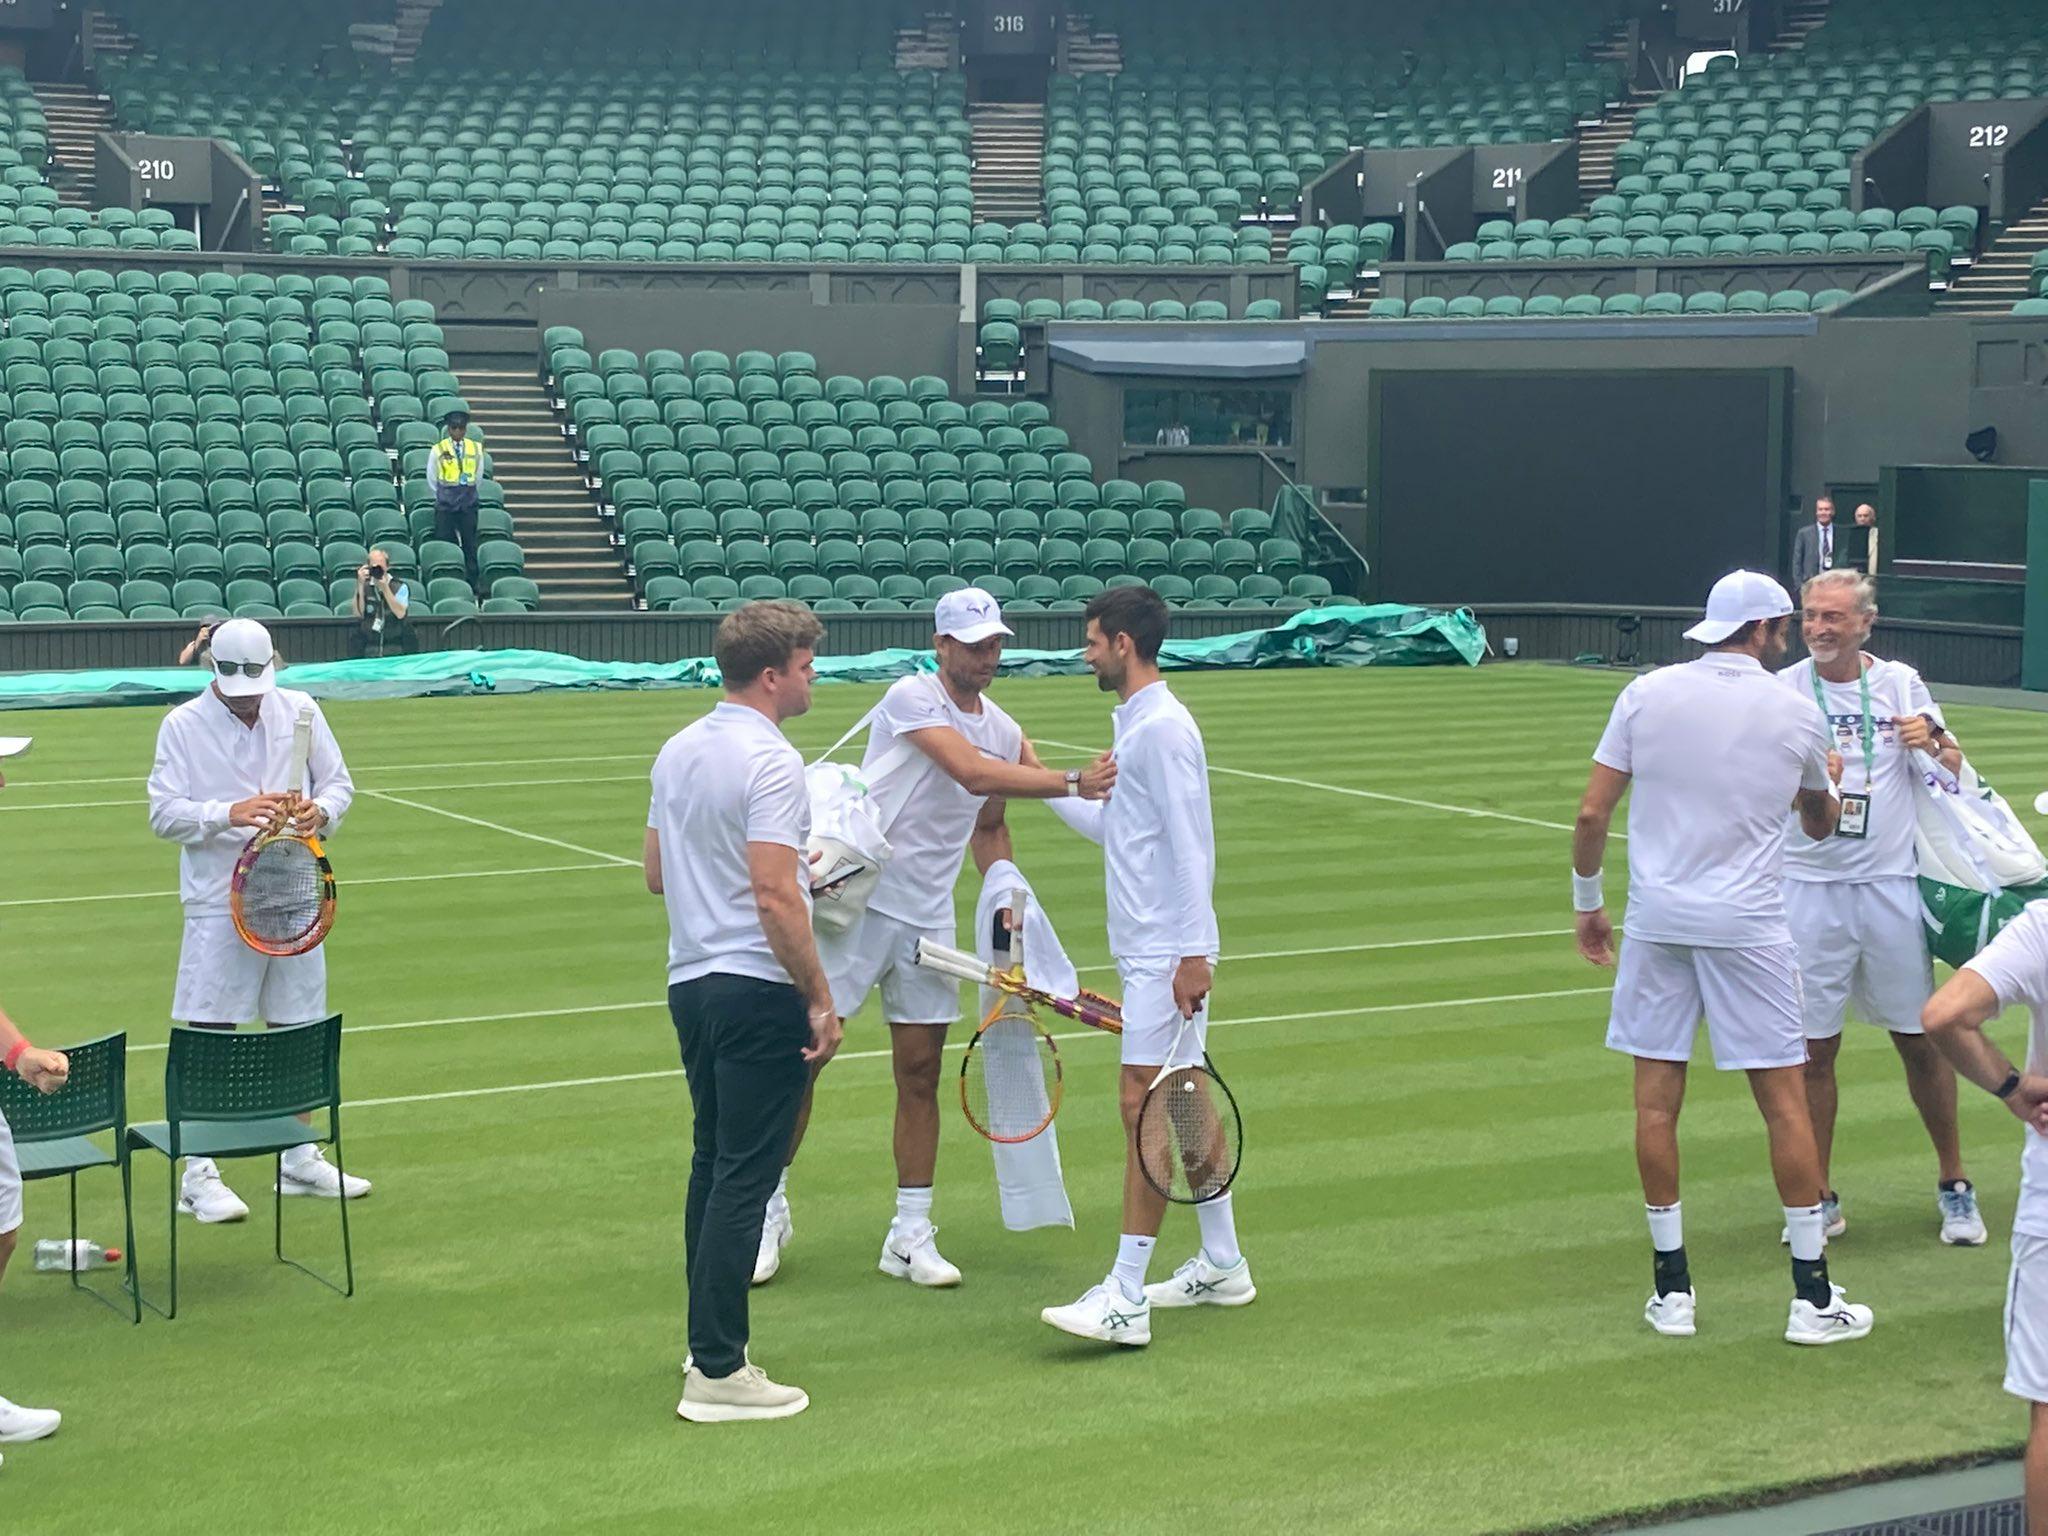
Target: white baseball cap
<point>243,642</point>
<point>970,616</point>
<point>14,746</point>
<point>1739,598</point>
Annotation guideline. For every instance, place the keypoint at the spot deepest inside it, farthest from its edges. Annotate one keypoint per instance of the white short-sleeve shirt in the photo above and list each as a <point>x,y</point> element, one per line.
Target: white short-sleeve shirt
<point>930,834</point>
<point>1886,852</point>
<point>2015,966</point>
<point>727,780</point>
<point>1716,750</point>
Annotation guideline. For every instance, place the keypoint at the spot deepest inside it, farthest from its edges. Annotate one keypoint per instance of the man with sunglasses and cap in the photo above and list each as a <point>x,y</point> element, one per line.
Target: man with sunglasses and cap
<point>222,762</point>
<point>455,466</point>
<point>45,1071</point>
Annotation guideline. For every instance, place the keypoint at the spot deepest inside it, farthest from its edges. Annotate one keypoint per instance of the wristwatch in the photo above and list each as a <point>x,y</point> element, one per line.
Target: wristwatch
<point>1073,783</point>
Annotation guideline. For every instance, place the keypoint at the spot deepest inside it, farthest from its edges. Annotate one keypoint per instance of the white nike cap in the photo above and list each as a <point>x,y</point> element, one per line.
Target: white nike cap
<point>1739,598</point>
<point>14,746</point>
<point>243,642</point>
<point>970,616</point>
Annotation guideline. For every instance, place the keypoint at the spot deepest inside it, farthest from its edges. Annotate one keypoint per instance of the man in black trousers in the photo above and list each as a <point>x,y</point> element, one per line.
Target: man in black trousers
<point>752,1008</point>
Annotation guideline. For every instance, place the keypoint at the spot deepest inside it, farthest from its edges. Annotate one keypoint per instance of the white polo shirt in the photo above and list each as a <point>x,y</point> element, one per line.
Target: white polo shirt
<point>1716,749</point>
<point>727,780</point>
<point>1886,853</point>
<point>2015,966</point>
<point>930,834</point>
<point>207,760</point>
<point>1158,844</point>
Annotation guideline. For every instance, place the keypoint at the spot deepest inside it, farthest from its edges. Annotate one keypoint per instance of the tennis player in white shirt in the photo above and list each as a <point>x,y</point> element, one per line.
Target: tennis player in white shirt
<point>1853,901</point>
<point>1159,854</point>
<point>222,760</point>
<point>974,757</point>
<point>1716,749</point>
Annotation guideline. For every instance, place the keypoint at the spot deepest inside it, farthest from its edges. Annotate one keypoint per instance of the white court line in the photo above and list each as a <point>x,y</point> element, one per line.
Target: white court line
<point>1078,1034</point>
<point>352,883</point>
<point>1370,794</point>
<point>494,826</point>
<point>588,778</point>
<point>490,762</point>
<point>1358,949</point>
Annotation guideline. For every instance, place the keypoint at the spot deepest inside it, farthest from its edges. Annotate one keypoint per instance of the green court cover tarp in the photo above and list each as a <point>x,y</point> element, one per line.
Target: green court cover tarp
<point>1383,634</point>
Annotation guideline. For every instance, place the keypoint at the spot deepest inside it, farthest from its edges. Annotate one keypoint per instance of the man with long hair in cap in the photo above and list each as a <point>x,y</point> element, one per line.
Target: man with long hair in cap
<point>456,468</point>
<point>223,760</point>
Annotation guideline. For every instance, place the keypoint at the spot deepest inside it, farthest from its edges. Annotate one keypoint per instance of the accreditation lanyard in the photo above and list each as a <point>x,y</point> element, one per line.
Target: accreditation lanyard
<point>1869,724</point>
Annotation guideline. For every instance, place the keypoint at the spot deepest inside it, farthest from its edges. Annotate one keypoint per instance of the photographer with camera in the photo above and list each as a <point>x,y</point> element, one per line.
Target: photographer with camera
<point>381,604</point>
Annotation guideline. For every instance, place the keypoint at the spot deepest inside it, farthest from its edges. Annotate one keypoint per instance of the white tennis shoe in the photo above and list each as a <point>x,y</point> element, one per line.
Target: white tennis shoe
<point>913,1254</point>
<point>19,1425</point>
<point>306,1172</point>
<point>1199,1283</point>
<point>1962,1224</point>
<point>1672,1314</point>
<point>203,1194</point>
<point>1102,1313</point>
<point>746,1394</point>
<point>776,1231</point>
<point>1835,1323</point>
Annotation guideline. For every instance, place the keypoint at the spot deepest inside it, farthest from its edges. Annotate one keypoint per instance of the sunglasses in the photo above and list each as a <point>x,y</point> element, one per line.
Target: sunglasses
<point>245,668</point>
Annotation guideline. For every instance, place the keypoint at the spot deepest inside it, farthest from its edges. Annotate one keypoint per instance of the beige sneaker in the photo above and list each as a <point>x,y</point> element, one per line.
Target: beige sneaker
<point>746,1394</point>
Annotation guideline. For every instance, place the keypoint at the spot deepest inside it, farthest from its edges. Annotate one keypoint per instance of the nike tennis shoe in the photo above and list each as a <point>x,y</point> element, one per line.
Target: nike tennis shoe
<point>305,1172</point>
<point>1962,1224</point>
<point>1672,1314</point>
<point>913,1254</point>
<point>746,1394</point>
<point>1103,1313</point>
<point>1199,1283</point>
<point>205,1196</point>
<point>1832,1223</point>
<point>1840,1320</point>
<point>19,1425</point>
<point>776,1231</point>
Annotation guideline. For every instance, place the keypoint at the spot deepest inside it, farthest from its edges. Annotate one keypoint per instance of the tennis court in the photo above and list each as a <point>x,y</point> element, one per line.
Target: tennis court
<point>1438,1196</point>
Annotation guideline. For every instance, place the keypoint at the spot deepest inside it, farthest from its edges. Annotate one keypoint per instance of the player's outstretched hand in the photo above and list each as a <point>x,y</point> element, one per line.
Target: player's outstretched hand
<point>256,811</point>
<point>826,1033</point>
<point>2029,1102</point>
<point>1595,932</point>
<point>1099,778</point>
<point>44,1071</point>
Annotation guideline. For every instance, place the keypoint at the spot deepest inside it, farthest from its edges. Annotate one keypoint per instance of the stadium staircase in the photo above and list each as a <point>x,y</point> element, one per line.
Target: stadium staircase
<point>76,115</point>
<point>1009,159</point>
<point>110,34</point>
<point>1084,51</point>
<point>413,18</point>
<point>1800,19</point>
<point>2000,277</point>
<point>570,555</point>
<point>934,45</point>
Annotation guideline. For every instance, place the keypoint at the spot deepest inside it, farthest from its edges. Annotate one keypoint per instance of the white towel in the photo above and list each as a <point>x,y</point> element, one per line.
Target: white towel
<point>1029,1184</point>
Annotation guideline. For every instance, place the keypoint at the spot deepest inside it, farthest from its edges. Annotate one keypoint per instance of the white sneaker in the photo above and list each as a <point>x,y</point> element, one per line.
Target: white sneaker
<point>19,1424</point>
<point>746,1394</point>
<point>1839,1320</point>
<point>1832,1224</point>
<point>1672,1313</point>
<point>776,1231</point>
<point>1962,1224</point>
<point>1102,1313</point>
<point>1199,1283</point>
<point>914,1256</point>
<point>203,1195</point>
<point>312,1174</point>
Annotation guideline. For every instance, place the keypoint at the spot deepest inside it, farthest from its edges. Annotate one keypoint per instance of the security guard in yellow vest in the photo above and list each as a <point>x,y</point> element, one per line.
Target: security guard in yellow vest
<point>456,467</point>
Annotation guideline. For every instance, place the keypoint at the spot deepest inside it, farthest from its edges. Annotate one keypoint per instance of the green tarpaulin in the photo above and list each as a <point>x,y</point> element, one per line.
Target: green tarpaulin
<point>1348,636</point>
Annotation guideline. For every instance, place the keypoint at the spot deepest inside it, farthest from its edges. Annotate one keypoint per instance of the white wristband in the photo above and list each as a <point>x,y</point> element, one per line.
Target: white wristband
<point>1586,894</point>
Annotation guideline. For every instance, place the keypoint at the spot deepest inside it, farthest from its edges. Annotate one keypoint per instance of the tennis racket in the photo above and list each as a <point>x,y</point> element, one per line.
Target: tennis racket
<point>281,894</point>
<point>1189,1133</point>
<point>1090,1008</point>
<point>1010,1078</point>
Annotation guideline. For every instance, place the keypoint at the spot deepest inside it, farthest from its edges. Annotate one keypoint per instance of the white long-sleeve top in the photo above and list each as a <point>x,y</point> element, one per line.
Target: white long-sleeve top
<point>1158,843</point>
<point>207,760</point>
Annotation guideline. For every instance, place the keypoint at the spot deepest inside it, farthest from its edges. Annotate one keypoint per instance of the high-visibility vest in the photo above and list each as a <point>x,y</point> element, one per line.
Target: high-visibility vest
<point>458,463</point>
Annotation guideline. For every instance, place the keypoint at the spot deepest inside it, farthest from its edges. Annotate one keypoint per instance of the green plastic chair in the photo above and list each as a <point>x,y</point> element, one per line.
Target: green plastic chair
<point>239,1093</point>
<point>53,1138</point>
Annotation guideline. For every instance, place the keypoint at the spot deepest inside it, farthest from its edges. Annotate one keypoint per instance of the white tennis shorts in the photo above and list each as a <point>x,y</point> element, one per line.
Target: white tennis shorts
<point>880,950</point>
<point>1748,997</point>
<point>1863,941</point>
<point>10,1181</point>
<point>221,980</point>
<point>1152,1022</point>
<point>2026,1319</point>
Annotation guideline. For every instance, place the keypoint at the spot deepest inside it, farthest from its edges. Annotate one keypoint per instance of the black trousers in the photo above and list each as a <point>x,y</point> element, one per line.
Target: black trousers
<point>394,640</point>
<point>743,1043</point>
<point>457,525</point>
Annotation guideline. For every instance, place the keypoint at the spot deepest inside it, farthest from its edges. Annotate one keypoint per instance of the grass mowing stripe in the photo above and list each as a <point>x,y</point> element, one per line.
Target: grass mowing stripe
<point>494,826</point>
<point>458,874</point>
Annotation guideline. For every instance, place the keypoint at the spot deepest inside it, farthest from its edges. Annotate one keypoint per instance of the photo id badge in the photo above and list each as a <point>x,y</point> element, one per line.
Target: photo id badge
<point>1855,820</point>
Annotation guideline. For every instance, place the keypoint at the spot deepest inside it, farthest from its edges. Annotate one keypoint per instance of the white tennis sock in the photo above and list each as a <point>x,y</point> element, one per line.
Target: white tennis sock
<point>913,1206</point>
<point>1808,1232</point>
<point>1219,1231</point>
<point>1133,1257</point>
<point>1667,1227</point>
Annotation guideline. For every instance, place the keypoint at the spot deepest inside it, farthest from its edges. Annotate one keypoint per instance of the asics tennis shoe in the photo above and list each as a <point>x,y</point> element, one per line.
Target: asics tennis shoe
<point>19,1424</point>
<point>1199,1283</point>
<point>1835,1323</point>
<point>746,1394</point>
<point>912,1253</point>
<point>1103,1313</point>
<point>1962,1224</point>
<point>203,1194</point>
<point>1672,1314</point>
<point>776,1231</point>
<point>305,1172</point>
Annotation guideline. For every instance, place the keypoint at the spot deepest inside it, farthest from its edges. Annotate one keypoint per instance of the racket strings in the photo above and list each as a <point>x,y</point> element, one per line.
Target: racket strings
<point>1010,1080</point>
<point>1188,1136</point>
<point>283,891</point>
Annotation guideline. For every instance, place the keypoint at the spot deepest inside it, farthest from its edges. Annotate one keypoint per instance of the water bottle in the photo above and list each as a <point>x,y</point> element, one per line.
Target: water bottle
<point>60,1254</point>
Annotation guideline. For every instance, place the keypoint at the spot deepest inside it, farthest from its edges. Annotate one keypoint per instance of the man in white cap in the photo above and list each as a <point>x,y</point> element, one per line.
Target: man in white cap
<point>46,1072</point>
<point>973,756</point>
<point>1853,901</point>
<point>1716,750</point>
<point>222,764</point>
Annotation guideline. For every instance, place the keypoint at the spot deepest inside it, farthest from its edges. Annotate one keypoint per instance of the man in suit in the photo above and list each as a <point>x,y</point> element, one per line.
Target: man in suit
<point>1814,546</point>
